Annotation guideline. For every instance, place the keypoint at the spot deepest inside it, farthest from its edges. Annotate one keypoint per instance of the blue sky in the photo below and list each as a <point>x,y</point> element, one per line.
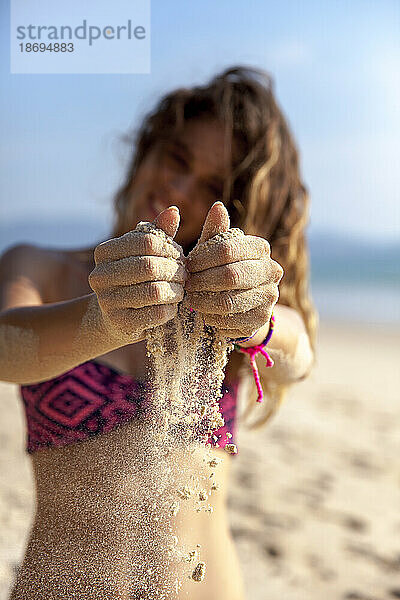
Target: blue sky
<point>336,67</point>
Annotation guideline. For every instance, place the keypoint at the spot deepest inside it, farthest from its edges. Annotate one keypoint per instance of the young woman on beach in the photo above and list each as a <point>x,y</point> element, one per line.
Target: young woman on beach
<point>73,327</point>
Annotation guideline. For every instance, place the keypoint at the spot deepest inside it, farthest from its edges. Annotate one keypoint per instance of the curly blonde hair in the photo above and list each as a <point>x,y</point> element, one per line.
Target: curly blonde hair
<point>264,194</point>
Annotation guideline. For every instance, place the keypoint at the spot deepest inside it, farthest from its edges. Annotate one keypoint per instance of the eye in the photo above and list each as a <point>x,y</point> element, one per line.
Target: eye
<point>177,158</point>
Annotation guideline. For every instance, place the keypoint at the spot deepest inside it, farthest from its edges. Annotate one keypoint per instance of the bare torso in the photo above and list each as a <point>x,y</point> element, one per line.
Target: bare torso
<point>86,495</point>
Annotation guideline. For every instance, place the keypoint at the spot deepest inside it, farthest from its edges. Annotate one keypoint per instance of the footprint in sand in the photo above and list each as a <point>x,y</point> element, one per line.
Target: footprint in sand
<point>359,596</point>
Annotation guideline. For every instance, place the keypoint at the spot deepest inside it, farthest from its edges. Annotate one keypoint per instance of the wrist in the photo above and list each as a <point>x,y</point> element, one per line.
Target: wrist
<point>258,337</point>
<point>104,334</point>
<point>258,346</point>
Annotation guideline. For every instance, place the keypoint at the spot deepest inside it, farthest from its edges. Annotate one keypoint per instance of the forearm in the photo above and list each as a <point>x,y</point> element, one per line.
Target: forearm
<point>40,342</point>
<point>289,347</point>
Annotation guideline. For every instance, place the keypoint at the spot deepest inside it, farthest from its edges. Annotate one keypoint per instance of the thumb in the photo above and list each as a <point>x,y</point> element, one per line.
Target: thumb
<point>168,220</point>
<point>217,221</point>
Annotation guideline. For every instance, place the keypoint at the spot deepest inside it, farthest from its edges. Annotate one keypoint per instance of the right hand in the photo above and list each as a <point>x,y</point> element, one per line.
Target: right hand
<point>139,277</point>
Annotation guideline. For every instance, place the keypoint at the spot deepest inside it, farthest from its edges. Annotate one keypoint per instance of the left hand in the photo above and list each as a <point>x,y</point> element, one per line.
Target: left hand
<point>233,280</point>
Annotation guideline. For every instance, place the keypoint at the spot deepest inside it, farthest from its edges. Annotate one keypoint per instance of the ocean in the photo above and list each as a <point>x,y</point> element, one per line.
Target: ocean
<point>355,280</point>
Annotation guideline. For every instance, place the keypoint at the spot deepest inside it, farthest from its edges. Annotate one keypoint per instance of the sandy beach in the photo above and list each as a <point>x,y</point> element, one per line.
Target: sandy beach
<point>315,496</point>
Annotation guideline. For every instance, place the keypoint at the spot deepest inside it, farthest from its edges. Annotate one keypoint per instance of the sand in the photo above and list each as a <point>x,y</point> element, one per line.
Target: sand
<point>187,372</point>
<point>315,496</point>
<point>187,361</point>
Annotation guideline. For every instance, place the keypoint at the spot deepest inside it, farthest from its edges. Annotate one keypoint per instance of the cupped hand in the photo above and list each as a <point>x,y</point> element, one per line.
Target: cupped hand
<point>233,281</point>
<point>139,277</point>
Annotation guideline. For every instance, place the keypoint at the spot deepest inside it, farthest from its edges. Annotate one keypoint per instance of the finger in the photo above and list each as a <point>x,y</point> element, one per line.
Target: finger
<point>228,250</point>
<point>136,269</point>
<point>234,301</point>
<point>217,221</point>
<point>244,274</point>
<point>246,322</point>
<point>132,320</point>
<point>168,220</point>
<point>141,294</point>
<point>137,243</point>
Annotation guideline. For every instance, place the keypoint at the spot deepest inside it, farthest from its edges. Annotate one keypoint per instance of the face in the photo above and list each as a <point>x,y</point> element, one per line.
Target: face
<point>188,172</point>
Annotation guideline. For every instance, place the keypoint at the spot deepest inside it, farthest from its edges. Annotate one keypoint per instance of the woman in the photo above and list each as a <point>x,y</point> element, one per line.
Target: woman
<point>71,334</point>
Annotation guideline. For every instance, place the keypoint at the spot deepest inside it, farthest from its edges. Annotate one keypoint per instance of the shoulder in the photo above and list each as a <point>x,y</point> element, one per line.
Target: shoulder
<point>23,259</point>
<point>19,253</point>
<point>29,272</point>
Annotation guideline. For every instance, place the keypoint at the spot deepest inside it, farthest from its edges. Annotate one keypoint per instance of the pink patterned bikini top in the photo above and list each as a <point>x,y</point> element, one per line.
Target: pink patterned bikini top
<point>94,398</point>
